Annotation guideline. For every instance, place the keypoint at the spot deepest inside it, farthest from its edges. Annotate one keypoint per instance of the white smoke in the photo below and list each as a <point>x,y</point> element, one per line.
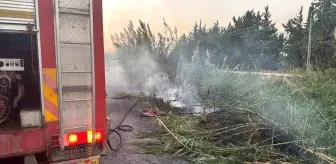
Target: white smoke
<point>141,73</point>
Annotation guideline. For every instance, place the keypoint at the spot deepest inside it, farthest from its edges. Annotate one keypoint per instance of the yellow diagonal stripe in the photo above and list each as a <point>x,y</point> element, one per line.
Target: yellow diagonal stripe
<point>51,72</point>
<point>50,94</point>
<point>49,117</point>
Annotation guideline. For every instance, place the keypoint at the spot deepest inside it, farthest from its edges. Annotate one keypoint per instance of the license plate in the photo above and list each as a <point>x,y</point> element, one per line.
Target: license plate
<point>76,152</point>
<point>91,161</point>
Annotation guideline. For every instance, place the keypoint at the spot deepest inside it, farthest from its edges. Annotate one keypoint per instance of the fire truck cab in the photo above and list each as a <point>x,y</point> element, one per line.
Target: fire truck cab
<point>52,98</point>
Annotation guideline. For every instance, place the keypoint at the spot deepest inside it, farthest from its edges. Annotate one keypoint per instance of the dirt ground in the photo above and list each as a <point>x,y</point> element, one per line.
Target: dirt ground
<point>128,153</point>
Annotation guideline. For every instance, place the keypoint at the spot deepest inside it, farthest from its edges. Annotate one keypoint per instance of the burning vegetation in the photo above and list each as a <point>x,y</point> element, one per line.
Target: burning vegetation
<point>241,117</point>
<point>245,127</point>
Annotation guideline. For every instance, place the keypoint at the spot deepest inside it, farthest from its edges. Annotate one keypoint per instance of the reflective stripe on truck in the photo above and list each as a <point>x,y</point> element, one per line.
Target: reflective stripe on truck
<point>17,14</point>
<point>50,95</point>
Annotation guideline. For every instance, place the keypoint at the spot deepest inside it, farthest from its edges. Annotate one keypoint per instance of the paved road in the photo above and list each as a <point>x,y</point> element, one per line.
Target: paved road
<point>127,155</point>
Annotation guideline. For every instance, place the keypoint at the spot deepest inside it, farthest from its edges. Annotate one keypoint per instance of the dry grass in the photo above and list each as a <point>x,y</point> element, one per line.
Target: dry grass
<point>273,123</point>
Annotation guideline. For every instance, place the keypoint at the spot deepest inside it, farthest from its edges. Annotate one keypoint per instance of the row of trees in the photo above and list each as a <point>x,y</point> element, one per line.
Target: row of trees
<point>322,22</point>
<point>251,41</point>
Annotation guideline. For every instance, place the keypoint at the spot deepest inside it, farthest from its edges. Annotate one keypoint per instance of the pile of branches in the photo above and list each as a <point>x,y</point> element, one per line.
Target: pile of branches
<point>227,136</point>
<point>243,128</point>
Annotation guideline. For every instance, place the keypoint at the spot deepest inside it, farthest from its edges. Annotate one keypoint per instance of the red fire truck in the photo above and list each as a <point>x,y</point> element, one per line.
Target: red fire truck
<point>52,81</point>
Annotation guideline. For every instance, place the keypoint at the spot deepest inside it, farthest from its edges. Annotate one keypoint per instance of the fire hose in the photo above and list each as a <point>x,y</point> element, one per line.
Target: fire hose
<point>121,128</point>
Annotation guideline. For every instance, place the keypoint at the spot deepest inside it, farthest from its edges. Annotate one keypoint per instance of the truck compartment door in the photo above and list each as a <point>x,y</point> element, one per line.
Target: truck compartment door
<point>17,16</point>
<point>75,66</point>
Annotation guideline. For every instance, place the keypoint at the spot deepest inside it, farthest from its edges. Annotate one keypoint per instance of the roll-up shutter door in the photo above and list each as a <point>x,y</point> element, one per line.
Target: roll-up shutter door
<point>17,15</point>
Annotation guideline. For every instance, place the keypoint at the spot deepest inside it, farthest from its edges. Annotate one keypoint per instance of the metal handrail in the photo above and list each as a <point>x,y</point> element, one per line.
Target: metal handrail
<point>93,75</point>
<point>59,73</point>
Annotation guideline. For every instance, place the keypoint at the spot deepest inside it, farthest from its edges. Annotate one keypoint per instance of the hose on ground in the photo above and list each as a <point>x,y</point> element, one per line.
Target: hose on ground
<point>121,128</point>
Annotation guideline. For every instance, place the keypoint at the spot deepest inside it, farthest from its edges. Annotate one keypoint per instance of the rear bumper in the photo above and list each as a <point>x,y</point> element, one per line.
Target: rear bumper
<point>89,160</point>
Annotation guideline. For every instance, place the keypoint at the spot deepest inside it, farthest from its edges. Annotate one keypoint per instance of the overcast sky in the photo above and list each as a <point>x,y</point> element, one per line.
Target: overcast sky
<point>184,13</point>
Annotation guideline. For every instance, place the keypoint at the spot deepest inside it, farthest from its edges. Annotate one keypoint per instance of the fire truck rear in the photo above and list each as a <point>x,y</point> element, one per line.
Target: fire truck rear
<point>52,89</point>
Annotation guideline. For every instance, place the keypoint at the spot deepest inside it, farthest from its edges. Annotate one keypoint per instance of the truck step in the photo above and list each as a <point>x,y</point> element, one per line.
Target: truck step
<point>84,71</point>
<point>77,89</point>
<point>74,11</point>
<point>76,43</point>
<point>74,100</point>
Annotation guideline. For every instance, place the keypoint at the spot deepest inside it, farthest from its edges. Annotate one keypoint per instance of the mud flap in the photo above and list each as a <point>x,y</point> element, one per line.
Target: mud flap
<point>108,122</point>
<point>30,159</point>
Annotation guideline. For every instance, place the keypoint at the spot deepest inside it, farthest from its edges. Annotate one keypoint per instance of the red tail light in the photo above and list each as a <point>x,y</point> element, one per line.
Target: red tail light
<point>73,138</point>
<point>79,138</point>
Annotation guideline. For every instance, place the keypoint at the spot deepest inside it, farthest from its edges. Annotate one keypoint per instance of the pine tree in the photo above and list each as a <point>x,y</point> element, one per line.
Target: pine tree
<point>323,41</point>
<point>295,43</point>
<point>271,43</point>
